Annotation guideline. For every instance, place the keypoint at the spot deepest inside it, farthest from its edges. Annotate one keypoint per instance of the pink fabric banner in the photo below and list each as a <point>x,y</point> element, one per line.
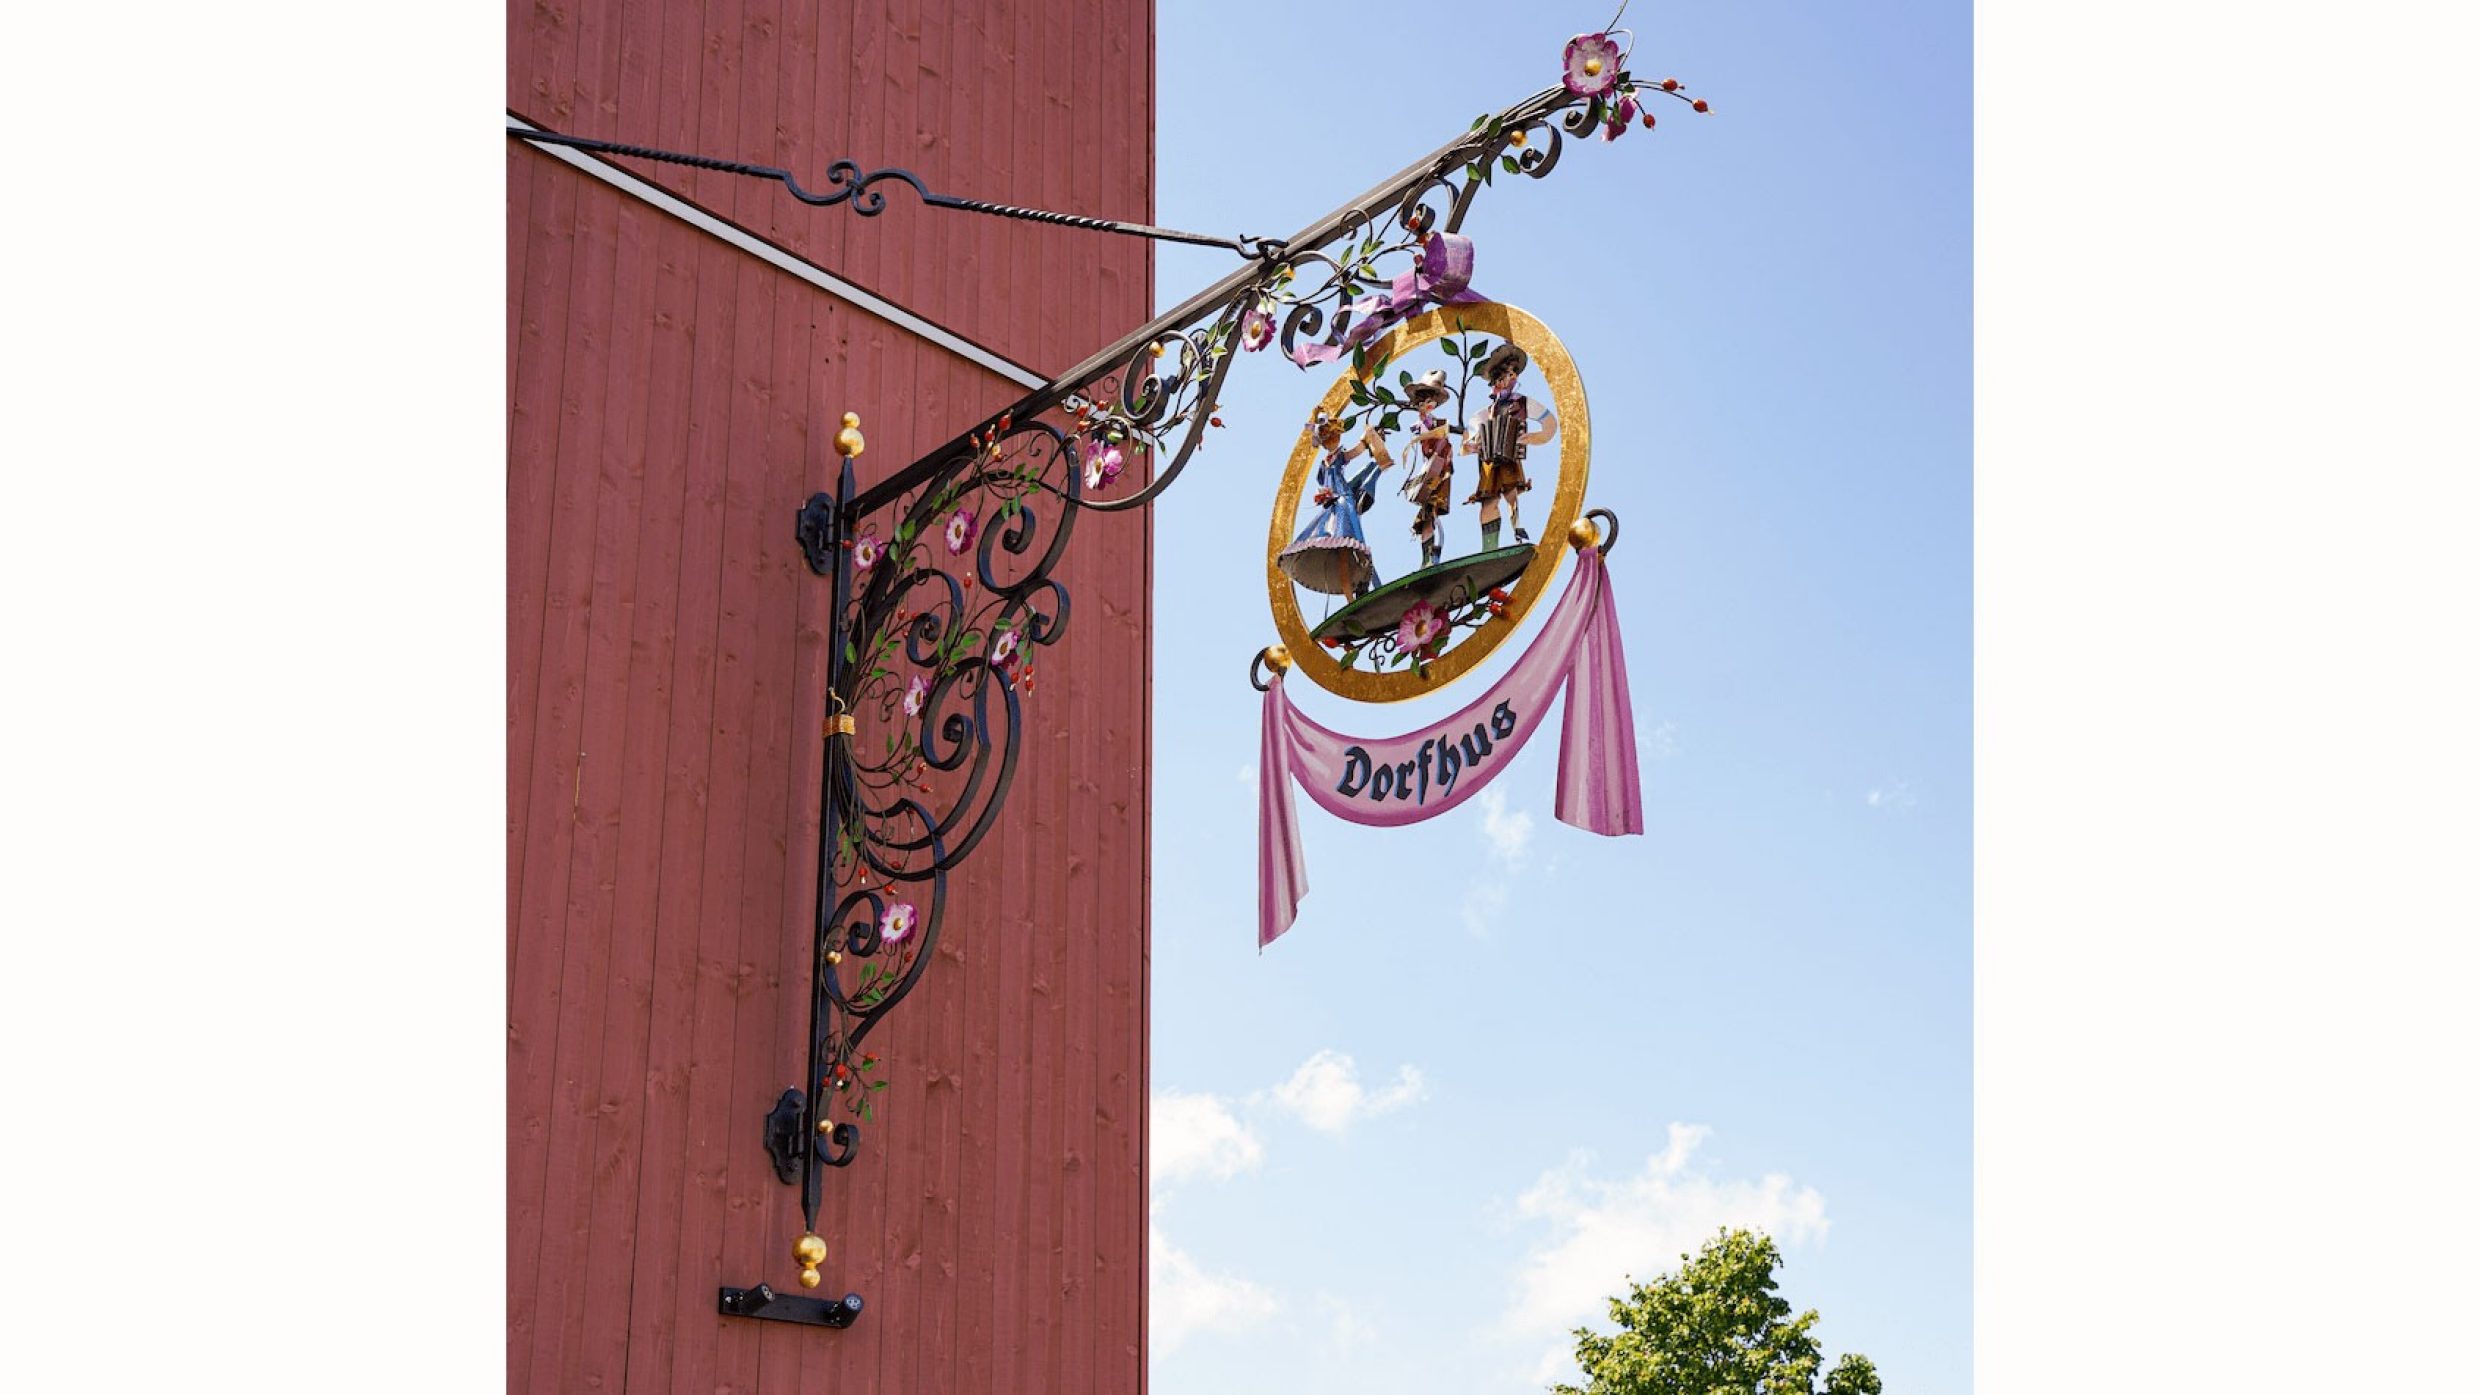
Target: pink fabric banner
<point>1442,276</point>
<point>1390,781</point>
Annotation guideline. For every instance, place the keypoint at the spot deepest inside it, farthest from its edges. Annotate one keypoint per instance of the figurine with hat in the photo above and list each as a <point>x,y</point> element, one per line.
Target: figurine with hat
<point>1332,554</point>
<point>1432,487</point>
<point>1499,434</point>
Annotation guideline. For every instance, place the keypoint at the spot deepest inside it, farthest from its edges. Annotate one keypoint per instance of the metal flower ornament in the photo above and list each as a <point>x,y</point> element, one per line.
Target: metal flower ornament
<point>942,595</point>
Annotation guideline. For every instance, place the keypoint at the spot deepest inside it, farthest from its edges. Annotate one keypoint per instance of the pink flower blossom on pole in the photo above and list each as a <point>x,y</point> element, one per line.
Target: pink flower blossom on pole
<point>897,922</point>
<point>1592,66</point>
<point>1421,628</point>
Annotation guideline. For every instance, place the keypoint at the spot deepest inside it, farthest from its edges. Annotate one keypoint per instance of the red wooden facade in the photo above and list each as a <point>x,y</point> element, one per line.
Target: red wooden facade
<point>672,399</point>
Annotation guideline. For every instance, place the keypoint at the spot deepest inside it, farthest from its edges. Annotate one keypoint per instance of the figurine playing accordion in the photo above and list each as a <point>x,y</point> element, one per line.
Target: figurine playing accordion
<point>1499,433</point>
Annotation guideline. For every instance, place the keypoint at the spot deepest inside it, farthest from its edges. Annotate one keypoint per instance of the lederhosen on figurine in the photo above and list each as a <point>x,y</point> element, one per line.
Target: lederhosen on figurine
<point>1432,488</point>
<point>1497,434</point>
<point>1501,437</point>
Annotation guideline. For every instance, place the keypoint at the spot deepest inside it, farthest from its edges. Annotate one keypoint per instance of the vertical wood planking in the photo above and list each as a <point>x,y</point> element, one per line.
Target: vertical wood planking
<point>681,616</point>
<point>656,731</point>
<point>659,438</point>
<point>749,1240</point>
<point>639,324</point>
<point>785,738</point>
<point>625,822</point>
<point>703,779</point>
<point>1056,795</point>
<point>800,438</point>
<point>942,1114</point>
<point>542,946</point>
<point>593,673</point>
<point>582,1045</point>
<point>533,435</point>
<point>521,184</point>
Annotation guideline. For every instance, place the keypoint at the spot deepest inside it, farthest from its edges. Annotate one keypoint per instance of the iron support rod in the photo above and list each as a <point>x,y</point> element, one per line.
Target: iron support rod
<point>814,1086</point>
<point>848,181</point>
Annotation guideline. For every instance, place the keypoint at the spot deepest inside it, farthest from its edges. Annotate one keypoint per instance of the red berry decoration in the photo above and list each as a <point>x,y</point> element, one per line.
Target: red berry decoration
<point>1670,84</point>
<point>1699,104</point>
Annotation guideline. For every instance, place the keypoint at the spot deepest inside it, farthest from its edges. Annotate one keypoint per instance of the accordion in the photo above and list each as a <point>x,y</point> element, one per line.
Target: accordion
<point>1502,433</point>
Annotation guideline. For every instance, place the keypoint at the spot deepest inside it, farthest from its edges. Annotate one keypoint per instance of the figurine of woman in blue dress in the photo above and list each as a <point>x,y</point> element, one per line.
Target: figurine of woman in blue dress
<point>1332,554</point>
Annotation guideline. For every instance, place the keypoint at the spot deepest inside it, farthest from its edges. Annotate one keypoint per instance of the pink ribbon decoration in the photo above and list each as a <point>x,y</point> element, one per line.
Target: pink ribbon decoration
<point>1442,276</point>
<point>1391,781</point>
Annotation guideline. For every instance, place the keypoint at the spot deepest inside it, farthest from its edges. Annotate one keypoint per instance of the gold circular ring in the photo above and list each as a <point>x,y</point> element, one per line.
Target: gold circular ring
<point>1510,325</point>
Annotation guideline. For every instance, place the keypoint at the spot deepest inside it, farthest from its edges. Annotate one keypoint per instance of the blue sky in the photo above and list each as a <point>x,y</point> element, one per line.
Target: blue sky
<point>1500,1063</point>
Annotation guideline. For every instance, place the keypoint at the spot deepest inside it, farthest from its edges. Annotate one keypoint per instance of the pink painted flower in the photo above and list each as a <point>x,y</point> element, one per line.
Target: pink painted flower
<point>1256,329</point>
<point>961,528</point>
<point>1620,116</point>
<point>1422,627</point>
<point>897,922</point>
<point>867,549</point>
<point>1102,463</point>
<point>1592,66</point>
<point>1003,651</point>
<point>916,693</point>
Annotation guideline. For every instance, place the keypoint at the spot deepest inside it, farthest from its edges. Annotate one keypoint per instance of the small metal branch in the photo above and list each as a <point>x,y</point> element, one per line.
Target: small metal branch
<point>846,183</point>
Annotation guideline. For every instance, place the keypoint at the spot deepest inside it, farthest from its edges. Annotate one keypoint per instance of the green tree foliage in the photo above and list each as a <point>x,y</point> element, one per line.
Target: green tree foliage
<point>1717,1327</point>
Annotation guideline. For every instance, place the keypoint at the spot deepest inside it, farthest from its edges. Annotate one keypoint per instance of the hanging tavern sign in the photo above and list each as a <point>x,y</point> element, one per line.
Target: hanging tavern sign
<point>1497,402</point>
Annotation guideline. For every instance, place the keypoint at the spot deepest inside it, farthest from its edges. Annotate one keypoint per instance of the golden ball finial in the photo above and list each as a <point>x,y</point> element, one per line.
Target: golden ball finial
<point>809,1278</point>
<point>848,441</point>
<point>810,1251</point>
<point>1278,658</point>
<point>1583,533</point>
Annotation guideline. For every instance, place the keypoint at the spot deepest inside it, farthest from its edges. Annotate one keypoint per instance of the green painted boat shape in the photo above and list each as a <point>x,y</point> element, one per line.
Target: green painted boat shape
<point>1454,581</point>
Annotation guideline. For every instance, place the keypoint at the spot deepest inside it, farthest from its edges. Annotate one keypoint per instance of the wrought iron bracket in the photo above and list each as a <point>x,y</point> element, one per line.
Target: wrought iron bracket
<point>954,583</point>
<point>819,530</point>
<point>766,1305</point>
<point>786,1126</point>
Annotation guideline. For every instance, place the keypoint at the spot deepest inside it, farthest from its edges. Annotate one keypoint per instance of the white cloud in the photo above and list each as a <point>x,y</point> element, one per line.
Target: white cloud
<point>1184,1300</point>
<point>1598,1233</point>
<point>1894,794</point>
<point>1509,836</point>
<point>1326,1092</point>
<point>1347,1332</point>
<point>1193,1137</point>
<point>1198,1136</point>
<point>1507,844</point>
<point>1658,742</point>
<point>1484,903</point>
